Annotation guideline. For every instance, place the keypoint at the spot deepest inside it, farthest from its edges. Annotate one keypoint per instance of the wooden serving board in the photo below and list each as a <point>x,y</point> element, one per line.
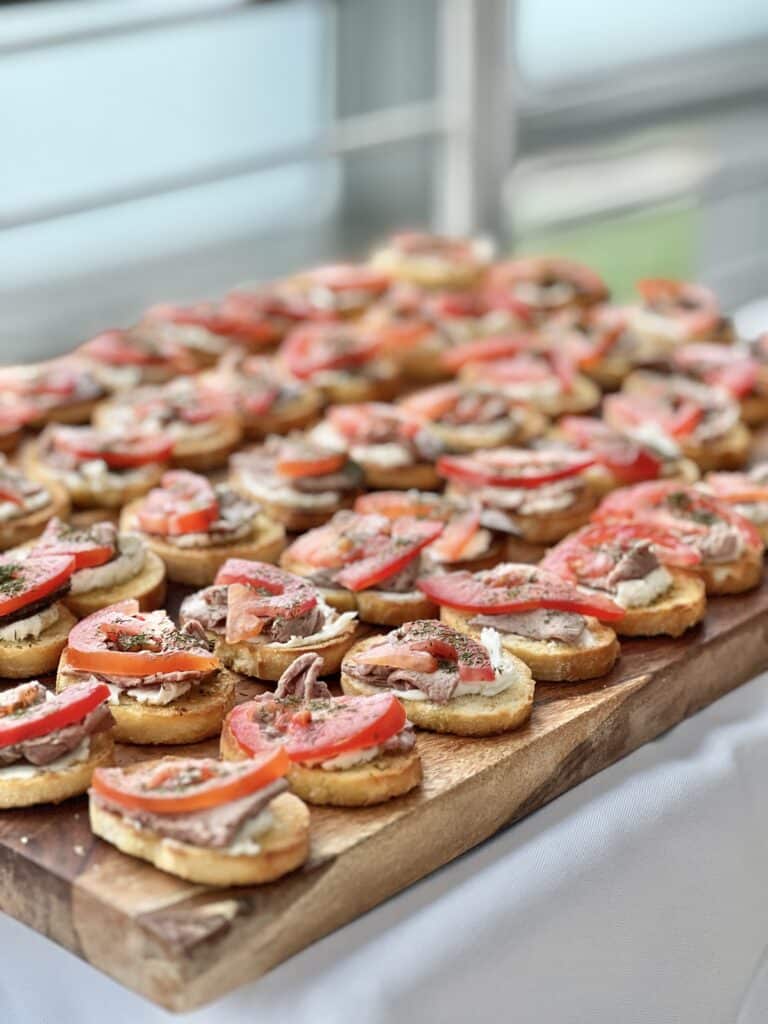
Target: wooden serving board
<point>182,945</point>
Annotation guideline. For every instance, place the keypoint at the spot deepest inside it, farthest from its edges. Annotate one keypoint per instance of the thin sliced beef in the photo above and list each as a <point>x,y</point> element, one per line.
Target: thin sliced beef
<point>208,607</point>
<point>439,686</point>
<point>300,680</point>
<point>215,827</point>
<point>634,564</point>
<point>280,630</point>
<point>542,624</point>
<point>722,543</point>
<point>402,582</point>
<point>44,749</point>
<point>402,742</point>
<point>348,479</point>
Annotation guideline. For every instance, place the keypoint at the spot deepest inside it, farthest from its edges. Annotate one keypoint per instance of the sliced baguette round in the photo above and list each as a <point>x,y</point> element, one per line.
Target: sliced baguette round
<point>211,451</point>
<point>681,607</point>
<point>754,409</point>
<point>548,529</point>
<point>345,388</point>
<point>148,587</point>
<point>26,659</point>
<point>551,660</point>
<point>728,452</point>
<point>733,577</point>
<point>51,787</point>
<point>421,476</point>
<point>197,567</point>
<point>72,412</point>
<point>282,849</point>
<point>196,715</point>
<point>24,528</point>
<point>269,661</point>
<point>470,715</point>
<point>477,436</point>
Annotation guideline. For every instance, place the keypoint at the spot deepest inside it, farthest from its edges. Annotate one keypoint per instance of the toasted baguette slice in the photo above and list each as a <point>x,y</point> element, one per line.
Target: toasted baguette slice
<point>25,659</point>
<point>283,848</point>
<point>470,715</point>
<point>87,495</point>
<point>148,588</point>
<point>197,567</point>
<point>494,555</point>
<point>609,371</point>
<point>209,452</point>
<point>681,607</point>
<point>194,716</point>
<point>547,529</point>
<point>733,577</point>
<point>24,528</point>
<point>728,452</point>
<point>754,409</point>
<point>269,661</point>
<point>476,436</point>
<point>73,412</point>
<point>345,388</point>
<point>374,782</point>
<point>603,481</point>
<point>51,787</point>
<point>551,661</point>
<point>421,475</point>
<point>10,440</point>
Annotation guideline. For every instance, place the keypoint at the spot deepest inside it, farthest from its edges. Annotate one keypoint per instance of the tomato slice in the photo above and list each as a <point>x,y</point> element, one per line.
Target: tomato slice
<point>372,422</point>
<point>120,640</point>
<point>20,721</point>
<point>386,555</point>
<point>513,467</point>
<point>182,785</point>
<point>119,452</point>
<point>302,458</point>
<point>486,350</point>
<point>628,461</point>
<point>678,419</point>
<point>313,348</point>
<point>259,592</point>
<point>432,404</point>
<point>393,504</point>
<point>25,582</point>
<point>16,413</point>
<point>515,588</point>
<point>53,380</point>
<point>85,546</point>
<point>118,348</point>
<point>545,271</point>
<point>421,646</point>
<point>719,366</point>
<point>457,534</point>
<point>694,307</point>
<point>737,488</point>
<point>330,728</point>
<point>341,277</point>
<point>186,503</point>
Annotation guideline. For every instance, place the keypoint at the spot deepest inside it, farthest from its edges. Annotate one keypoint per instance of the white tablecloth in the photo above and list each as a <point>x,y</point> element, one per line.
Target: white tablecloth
<point>640,896</point>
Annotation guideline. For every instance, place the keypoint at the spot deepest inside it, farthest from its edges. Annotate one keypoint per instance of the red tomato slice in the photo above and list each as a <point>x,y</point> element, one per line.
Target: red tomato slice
<point>389,554</point>
<point>398,655</point>
<point>182,785</point>
<point>693,306</point>
<point>25,582</point>
<point>419,645</point>
<point>587,286</point>
<point>15,414</point>
<point>117,348</point>
<point>631,410</point>
<point>515,588</point>
<point>736,488</point>
<point>372,422</point>
<point>486,350</point>
<point>457,534</point>
<point>186,503</point>
<point>125,452</point>
<point>719,366</point>
<point>259,592</point>
<point>54,380</point>
<point>432,404</point>
<point>335,727</point>
<point>513,467</point>
<point>19,722</point>
<point>393,504</point>
<point>312,348</point>
<point>120,640</point>
<point>628,461</point>
<point>341,277</point>
<point>59,538</point>
<point>302,458</point>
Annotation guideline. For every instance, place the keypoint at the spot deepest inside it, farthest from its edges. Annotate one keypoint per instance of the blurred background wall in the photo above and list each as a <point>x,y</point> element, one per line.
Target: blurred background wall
<point>170,149</point>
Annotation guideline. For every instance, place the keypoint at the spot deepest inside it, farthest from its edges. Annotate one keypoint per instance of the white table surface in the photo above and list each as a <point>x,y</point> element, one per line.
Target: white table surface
<point>639,896</point>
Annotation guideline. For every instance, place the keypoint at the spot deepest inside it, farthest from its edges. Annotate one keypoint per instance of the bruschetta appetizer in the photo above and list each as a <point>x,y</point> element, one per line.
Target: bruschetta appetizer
<point>644,452</point>
<point>704,421</point>
<point>130,357</point>
<point>100,470</point>
<point>61,391</point>
<point>266,399</point>
<point>34,622</point>
<point>199,819</point>
<point>109,566</point>
<point>729,545</point>
<point>732,370</point>
<point>262,618</point>
<point>367,563</point>
<point>746,493</point>
<point>462,418</point>
<point>299,483</point>
<point>199,419</point>
<point>390,444</point>
<point>408,334</point>
<point>561,631</point>
<point>16,415</point>
<point>546,284</point>
<point>335,291</point>
<point>642,567</point>
<point>518,366</point>
<point>51,744</point>
<point>671,313</point>
<point>534,497</point>
<point>194,526</point>
<point>345,361</point>
<point>165,684</point>
<point>448,681</point>
<point>595,338</point>
<point>433,261</point>
<point>344,751</point>
<point>464,542</point>
<point>26,505</point>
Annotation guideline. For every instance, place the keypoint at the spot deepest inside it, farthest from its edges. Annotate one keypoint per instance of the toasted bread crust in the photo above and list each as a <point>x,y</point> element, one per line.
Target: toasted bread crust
<point>283,848</point>
<point>478,436</point>
<point>728,452</point>
<point>360,387</point>
<point>295,518</point>
<point>210,452</point>
<point>471,715</point>
<point>148,588</point>
<point>197,567</point>
<point>25,659</point>
<point>733,577</point>
<point>551,661</point>
<point>84,495</point>
<point>754,409</point>
<point>680,608</point>
<point>51,787</point>
<point>197,715</point>
<point>19,531</point>
<point>421,476</point>
<point>73,412</point>
<point>269,661</point>
<point>548,529</point>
